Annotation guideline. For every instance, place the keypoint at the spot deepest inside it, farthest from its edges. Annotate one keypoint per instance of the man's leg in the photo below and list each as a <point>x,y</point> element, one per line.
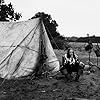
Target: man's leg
<point>69,71</point>
<point>78,71</point>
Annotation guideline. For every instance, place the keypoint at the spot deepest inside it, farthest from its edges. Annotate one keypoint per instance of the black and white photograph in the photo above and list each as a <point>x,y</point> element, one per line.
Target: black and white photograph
<point>49,49</point>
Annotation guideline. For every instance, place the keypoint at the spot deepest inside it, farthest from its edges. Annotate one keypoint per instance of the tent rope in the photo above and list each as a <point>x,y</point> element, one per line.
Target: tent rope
<point>55,43</point>
<point>21,47</point>
<point>52,37</point>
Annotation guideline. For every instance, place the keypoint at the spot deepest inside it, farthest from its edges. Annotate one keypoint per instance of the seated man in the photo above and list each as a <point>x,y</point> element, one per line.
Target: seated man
<point>71,64</point>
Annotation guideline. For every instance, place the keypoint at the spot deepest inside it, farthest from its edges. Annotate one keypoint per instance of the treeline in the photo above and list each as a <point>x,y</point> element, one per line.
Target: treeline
<point>7,13</point>
<point>93,39</point>
<point>57,40</point>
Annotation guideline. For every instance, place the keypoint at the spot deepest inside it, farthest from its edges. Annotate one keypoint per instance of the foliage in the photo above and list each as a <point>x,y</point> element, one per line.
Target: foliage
<point>93,39</point>
<point>72,39</point>
<point>7,12</point>
<point>60,43</point>
<point>51,27</point>
<point>50,24</point>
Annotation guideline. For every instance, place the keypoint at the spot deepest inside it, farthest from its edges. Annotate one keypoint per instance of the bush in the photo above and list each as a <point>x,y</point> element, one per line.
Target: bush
<point>60,44</point>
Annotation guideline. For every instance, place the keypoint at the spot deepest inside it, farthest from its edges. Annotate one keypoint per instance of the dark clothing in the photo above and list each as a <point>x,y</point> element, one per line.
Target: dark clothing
<point>68,68</point>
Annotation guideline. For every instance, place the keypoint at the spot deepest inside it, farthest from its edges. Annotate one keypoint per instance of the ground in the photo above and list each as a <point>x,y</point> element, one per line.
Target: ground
<point>54,88</point>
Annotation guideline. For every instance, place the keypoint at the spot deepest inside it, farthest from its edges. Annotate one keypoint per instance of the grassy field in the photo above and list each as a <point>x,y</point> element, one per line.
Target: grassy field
<point>79,49</point>
<point>53,88</point>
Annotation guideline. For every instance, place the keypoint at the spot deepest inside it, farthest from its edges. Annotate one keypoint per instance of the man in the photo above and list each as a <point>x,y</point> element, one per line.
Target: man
<point>71,64</point>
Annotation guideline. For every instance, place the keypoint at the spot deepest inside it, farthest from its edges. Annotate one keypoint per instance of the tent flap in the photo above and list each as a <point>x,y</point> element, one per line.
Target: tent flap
<point>20,48</point>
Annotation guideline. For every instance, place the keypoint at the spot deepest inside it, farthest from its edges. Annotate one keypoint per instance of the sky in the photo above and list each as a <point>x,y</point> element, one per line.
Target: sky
<point>74,17</point>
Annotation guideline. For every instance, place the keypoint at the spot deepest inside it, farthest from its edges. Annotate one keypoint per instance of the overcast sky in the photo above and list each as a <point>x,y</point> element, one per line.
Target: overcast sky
<point>74,17</point>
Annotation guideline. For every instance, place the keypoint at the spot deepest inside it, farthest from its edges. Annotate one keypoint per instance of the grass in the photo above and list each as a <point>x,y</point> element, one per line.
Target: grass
<point>52,88</point>
<point>79,49</point>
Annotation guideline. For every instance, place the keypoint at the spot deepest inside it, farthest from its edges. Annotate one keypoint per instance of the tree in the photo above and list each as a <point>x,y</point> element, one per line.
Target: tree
<point>57,41</point>
<point>50,24</point>
<point>7,12</point>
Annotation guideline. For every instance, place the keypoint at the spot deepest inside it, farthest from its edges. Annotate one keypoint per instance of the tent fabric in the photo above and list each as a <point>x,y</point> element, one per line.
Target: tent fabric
<point>20,48</point>
<point>52,60</point>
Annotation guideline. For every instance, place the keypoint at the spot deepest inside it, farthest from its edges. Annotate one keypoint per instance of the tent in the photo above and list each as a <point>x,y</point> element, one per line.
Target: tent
<point>22,49</point>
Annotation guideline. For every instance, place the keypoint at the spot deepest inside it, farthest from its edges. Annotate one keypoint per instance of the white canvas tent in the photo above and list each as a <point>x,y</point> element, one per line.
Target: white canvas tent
<point>20,48</point>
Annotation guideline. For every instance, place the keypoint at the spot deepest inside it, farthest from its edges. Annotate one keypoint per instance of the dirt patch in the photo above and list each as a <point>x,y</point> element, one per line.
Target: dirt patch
<point>88,87</point>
